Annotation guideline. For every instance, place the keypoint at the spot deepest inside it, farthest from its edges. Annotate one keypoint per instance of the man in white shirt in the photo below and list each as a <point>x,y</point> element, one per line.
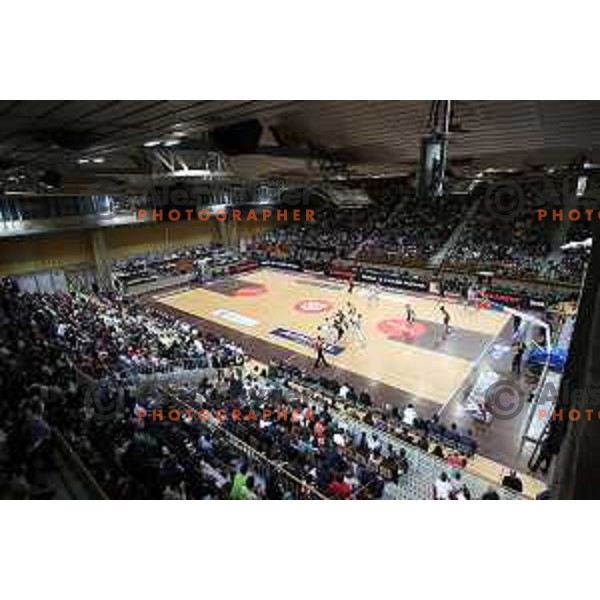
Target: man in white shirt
<point>373,443</point>
<point>409,416</point>
<point>442,487</point>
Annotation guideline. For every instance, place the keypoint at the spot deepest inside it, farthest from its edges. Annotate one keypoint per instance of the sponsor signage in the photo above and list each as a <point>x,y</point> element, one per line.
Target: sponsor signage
<point>504,298</point>
<point>515,300</point>
<point>536,303</point>
<point>392,280</point>
<point>282,264</point>
<point>243,267</point>
<point>304,340</point>
<point>234,317</point>
<point>341,273</point>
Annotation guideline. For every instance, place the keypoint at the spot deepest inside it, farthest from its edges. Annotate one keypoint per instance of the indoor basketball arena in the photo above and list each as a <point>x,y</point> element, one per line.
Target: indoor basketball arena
<point>305,300</point>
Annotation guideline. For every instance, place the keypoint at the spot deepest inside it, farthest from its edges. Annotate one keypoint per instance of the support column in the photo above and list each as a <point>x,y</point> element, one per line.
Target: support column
<point>234,239</point>
<point>102,261</point>
<point>575,432</point>
<point>222,225</point>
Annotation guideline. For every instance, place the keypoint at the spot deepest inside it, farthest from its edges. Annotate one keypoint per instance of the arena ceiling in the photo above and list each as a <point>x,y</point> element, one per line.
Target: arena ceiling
<point>101,143</point>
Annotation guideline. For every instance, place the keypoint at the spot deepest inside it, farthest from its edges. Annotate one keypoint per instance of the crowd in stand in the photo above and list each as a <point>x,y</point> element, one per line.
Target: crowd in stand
<point>516,245</point>
<point>405,231</point>
<point>335,234</point>
<point>415,231</point>
<point>152,266</point>
<point>111,335</point>
<point>510,244</point>
<point>318,450</point>
<point>399,229</point>
<point>48,339</point>
<point>569,265</point>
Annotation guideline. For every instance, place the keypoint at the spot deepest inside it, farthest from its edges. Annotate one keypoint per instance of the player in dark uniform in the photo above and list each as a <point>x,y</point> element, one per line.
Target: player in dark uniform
<point>446,319</point>
<point>350,284</point>
<point>442,289</point>
<point>319,349</point>
<point>338,324</point>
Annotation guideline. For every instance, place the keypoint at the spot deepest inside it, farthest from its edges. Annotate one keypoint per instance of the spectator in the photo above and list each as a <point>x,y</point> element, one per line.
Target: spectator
<point>409,416</point>
<point>437,451</point>
<point>339,488</point>
<point>490,494</point>
<point>442,488</point>
<point>456,461</point>
<point>512,482</point>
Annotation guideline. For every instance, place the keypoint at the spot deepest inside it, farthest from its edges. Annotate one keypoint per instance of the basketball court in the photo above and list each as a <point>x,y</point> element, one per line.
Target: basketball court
<point>285,310</point>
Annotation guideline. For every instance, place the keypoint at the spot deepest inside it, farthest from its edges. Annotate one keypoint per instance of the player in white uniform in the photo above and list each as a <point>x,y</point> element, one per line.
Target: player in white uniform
<point>473,297</point>
<point>446,321</point>
<point>356,328</point>
<point>373,294</point>
<point>327,331</point>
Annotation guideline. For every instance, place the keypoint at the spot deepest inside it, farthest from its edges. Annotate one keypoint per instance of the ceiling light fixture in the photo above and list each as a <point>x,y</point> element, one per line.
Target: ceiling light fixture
<point>193,173</point>
<point>98,160</point>
<point>152,143</point>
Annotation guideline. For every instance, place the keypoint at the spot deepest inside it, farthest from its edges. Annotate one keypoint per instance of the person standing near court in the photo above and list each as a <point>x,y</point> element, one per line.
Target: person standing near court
<point>446,319</point>
<point>518,351</point>
<point>319,349</point>
<point>410,314</point>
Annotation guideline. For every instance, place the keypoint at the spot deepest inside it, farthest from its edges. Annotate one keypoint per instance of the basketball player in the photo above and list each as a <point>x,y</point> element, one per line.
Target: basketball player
<point>440,293</point>
<point>357,332</point>
<point>410,314</point>
<point>338,324</point>
<point>473,297</point>
<point>446,319</point>
<point>350,284</point>
<point>319,346</point>
<point>464,294</point>
<point>518,349</point>
<point>442,289</point>
<point>351,310</point>
<point>373,294</point>
<point>327,330</point>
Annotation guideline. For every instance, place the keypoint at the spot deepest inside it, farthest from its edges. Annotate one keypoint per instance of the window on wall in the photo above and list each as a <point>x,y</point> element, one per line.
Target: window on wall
<point>53,207</point>
<point>46,282</point>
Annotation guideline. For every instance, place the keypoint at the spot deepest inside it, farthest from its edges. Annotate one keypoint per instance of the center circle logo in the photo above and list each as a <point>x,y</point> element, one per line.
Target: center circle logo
<point>313,306</point>
<point>400,330</point>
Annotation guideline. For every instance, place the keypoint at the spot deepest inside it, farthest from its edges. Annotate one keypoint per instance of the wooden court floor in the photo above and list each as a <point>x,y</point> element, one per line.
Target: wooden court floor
<point>285,310</point>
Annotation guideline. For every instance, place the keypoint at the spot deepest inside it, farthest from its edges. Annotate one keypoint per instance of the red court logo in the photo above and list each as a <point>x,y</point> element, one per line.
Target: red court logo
<point>313,306</point>
<point>401,330</point>
<point>255,289</point>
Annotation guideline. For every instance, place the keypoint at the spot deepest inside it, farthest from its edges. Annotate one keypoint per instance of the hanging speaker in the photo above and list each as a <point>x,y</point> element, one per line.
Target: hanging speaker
<point>239,138</point>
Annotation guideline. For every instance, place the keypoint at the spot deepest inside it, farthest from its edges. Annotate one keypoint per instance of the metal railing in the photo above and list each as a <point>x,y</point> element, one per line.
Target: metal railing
<point>424,469</point>
<point>261,464</point>
<point>73,458</point>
